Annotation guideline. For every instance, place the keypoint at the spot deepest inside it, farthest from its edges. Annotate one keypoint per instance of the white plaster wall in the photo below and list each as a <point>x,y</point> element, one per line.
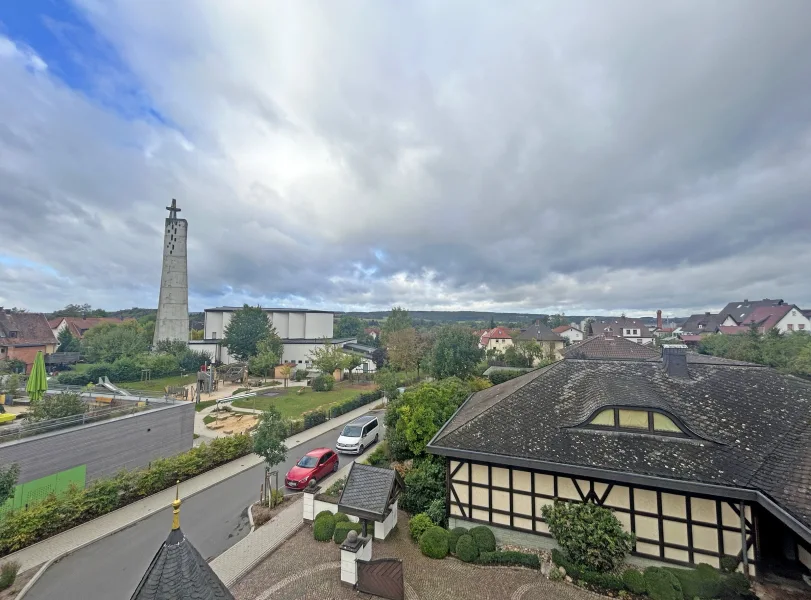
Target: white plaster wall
<point>796,318</point>
<point>572,335</point>
<point>214,325</point>
<point>295,327</point>
<point>281,322</point>
<point>383,529</point>
<point>320,505</point>
<point>318,325</point>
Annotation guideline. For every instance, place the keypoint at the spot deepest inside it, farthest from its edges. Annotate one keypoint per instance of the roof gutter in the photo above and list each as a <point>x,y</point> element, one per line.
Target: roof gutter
<point>633,479</point>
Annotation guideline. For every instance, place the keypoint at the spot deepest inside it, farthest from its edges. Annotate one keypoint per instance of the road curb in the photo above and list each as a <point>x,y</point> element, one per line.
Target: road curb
<point>45,566</point>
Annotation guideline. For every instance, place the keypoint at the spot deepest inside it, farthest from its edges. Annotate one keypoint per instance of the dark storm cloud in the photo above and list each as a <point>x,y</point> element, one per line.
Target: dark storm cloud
<point>530,155</point>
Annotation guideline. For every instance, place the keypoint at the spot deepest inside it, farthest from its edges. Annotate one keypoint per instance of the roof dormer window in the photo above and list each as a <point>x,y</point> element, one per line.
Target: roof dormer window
<point>640,420</point>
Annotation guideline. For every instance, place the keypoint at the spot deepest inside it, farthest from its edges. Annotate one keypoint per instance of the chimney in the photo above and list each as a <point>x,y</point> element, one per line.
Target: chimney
<point>674,358</point>
<point>659,319</point>
<point>746,301</point>
<point>708,313</point>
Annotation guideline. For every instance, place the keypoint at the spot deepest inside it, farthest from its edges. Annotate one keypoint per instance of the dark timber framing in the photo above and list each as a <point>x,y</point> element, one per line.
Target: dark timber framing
<point>462,476</point>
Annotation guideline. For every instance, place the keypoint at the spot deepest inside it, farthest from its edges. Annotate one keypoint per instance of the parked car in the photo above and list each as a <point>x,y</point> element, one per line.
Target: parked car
<point>358,435</point>
<point>313,466</point>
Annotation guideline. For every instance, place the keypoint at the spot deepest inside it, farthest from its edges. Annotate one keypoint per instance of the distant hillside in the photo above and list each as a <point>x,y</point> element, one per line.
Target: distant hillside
<point>72,310</point>
<point>448,316</point>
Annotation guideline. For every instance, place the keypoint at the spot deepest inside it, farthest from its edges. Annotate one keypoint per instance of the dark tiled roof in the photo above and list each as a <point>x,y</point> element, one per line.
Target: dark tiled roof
<point>703,323</point>
<point>766,317</point>
<point>601,346</point>
<point>741,310</point>
<point>31,328</point>
<point>753,424</point>
<point>178,572</point>
<point>368,491</point>
<point>539,332</point>
<point>616,326</point>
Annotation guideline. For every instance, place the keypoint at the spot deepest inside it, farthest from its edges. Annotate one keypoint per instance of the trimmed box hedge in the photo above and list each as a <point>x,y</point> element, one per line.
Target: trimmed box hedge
<point>434,542</point>
<point>343,528</point>
<point>466,549</point>
<point>324,527</point>
<point>510,558</point>
<point>484,538</point>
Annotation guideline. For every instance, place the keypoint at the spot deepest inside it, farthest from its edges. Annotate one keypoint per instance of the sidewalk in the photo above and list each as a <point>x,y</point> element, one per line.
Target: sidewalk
<point>242,557</point>
<point>83,535</point>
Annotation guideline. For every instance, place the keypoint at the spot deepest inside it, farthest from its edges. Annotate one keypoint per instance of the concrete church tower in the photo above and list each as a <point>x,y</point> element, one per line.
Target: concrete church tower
<point>173,306</point>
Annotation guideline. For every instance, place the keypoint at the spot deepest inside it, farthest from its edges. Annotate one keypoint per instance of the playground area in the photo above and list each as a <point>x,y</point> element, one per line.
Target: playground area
<point>232,422</point>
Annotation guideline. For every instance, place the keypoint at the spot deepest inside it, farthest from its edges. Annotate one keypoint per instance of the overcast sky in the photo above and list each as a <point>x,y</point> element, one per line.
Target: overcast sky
<point>586,157</point>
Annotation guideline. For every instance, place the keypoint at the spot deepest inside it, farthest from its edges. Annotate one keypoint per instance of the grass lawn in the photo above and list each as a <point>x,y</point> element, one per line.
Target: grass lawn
<point>292,406</point>
<point>157,385</point>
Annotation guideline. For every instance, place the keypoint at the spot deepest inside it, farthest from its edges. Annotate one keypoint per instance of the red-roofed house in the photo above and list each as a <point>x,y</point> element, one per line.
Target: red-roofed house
<point>372,332</point>
<point>78,326</point>
<point>497,338</point>
<point>22,335</point>
<point>573,334</point>
<point>785,318</point>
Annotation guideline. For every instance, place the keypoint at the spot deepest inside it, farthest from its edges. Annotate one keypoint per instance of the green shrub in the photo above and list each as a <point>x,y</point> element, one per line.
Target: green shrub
<point>97,372</point>
<point>324,527</point>
<point>466,549</point>
<point>510,558</point>
<point>323,514</point>
<point>72,378</point>
<point>313,418</point>
<point>423,484</point>
<point>484,538</point>
<point>453,537</point>
<point>634,581</point>
<point>125,369</point>
<point>21,528</point>
<point>728,563</point>
<point>602,581</point>
<point>590,535</point>
<point>8,573</point>
<point>323,383</point>
<point>340,517</point>
<point>418,525</point>
<point>434,542</point>
<point>356,402</point>
<point>436,510</point>
<point>343,528</point>
<point>661,584</point>
<point>336,487</point>
<point>497,377</point>
<point>380,456</point>
<point>734,587</point>
<point>561,560</point>
<point>701,582</point>
<point>556,575</point>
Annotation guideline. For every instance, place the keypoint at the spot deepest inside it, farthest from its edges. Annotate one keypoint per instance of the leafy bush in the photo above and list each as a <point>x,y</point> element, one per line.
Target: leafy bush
<point>324,527</point>
<point>478,384</point>
<point>125,369</point>
<point>323,383</point>
<point>453,536</point>
<point>602,581</point>
<point>497,377</point>
<point>340,517</point>
<point>324,514</point>
<point>466,549</point>
<point>314,417</point>
<point>423,484</point>
<point>73,378</point>
<point>728,563</point>
<point>275,497</point>
<point>434,542</point>
<point>8,573</point>
<point>734,586</point>
<point>484,538</point>
<point>661,584</point>
<point>510,558</point>
<point>701,582</point>
<point>191,360</point>
<point>557,575</point>
<point>418,525</point>
<point>561,560</point>
<point>97,372</point>
<point>356,402</point>
<point>634,581</point>
<point>343,528</point>
<point>21,528</point>
<point>436,510</point>
<point>589,534</point>
<point>379,457</point>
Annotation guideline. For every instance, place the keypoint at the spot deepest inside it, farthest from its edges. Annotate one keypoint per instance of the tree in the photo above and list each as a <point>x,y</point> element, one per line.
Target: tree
<point>328,358</point>
<point>264,360</point>
<point>404,351</point>
<point>56,406</point>
<point>379,357</point>
<point>589,329</point>
<point>248,326</point>
<point>197,334</point>
<point>557,320</point>
<point>387,380</point>
<point>67,343</point>
<point>492,323</point>
<point>79,310</point>
<point>398,319</point>
<point>268,440</point>
<point>108,342</point>
<point>285,371</point>
<point>349,326</point>
<point>175,347</point>
<point>455,353</point>
<point>352,362</point>
<point>8,481</point>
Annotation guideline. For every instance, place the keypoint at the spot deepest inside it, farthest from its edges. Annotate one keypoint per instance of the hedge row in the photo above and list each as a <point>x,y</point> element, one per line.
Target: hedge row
<point>662,583</point>
<point>55,514</point>
<point>510,558</point>
<point>497,377</point>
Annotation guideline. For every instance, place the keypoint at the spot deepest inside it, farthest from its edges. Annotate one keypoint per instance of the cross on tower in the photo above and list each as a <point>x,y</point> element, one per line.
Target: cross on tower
<point>173,210</point>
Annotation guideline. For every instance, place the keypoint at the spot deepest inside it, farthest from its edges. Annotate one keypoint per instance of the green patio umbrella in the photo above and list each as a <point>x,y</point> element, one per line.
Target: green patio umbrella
<point>37,382</point>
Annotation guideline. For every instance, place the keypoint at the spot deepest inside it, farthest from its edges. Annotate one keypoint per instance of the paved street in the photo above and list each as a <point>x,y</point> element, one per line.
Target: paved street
<point>214,520</point>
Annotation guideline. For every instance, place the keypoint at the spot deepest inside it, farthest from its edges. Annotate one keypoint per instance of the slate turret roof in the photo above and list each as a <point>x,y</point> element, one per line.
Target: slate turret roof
<point>751,426</point>
<point>179,572</point>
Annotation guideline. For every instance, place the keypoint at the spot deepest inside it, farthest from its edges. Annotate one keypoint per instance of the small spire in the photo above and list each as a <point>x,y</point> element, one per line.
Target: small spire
<point>176,508</point>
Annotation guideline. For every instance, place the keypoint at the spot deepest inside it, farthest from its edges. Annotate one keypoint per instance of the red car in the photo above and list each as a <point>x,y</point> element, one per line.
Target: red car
<point>314,465</point>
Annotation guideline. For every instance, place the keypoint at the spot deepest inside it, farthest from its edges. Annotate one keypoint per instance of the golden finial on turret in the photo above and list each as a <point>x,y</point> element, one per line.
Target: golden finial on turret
<point>176,508</point>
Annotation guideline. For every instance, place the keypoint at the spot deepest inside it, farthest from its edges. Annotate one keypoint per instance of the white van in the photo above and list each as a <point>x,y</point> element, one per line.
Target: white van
<point>358,435</point>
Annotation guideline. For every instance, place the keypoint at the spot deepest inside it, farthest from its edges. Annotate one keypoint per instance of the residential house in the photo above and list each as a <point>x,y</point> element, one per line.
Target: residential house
<point>372,332</point>
<point>785,318</point>
<point>551,343</point>
<point>498,339</point>
<point>707,323</point>
<point>22,335</point>
<point>78,326</point>
<point>626,327</point>
<point>365,353</point>
<point>699,458</point>
<point>569,332</point>
<point>740,311</point>
<point>610,346</point>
